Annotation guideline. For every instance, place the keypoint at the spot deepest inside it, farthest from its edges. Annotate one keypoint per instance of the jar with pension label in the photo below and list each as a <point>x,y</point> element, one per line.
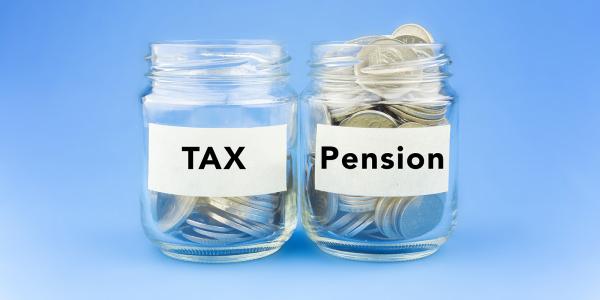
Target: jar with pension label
<point>220,126</point>
<point>378,146</point>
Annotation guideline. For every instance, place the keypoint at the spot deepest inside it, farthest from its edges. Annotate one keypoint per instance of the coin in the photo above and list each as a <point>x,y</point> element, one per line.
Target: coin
<point>413,30</point>
<point>387,227</point>
<point>406,117</point>
<point>420,216</point>
<point>341,112</point>
<point>342,221</point>
<point>354,227</point>
<point>357,204</point>
<point>196,220</point>
<point>241,211</point>
<point>253,229</point>
<point>220,235</point>
<point>365,40</point>
<point>429,115</point>
<point>172,210</point>
<point>268,201</point>
<point>323,205</point>
<point>427,108</point>
<point>383,52</point>
<point>246,203</point>
<point>191,234</point>
<point>370,119</point>
<point>380,210</point>
<point>410,39</point>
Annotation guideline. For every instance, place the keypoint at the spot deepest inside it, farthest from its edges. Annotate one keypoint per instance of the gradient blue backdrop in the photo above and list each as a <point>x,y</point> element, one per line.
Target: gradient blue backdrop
<point>70,145</point>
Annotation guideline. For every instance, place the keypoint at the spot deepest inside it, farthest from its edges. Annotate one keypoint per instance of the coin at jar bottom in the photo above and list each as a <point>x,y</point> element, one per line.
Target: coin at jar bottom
<point>172,210</point>
<point>241,211</point>
<point>324,206</point>
<point>253,229</point>
<point>219,235</point>
<point>359,225</point>
<point>196,220</point>
<point>357,204</point>
<point>343,221</point>
<point>193,235</point>
<point>421,215</point>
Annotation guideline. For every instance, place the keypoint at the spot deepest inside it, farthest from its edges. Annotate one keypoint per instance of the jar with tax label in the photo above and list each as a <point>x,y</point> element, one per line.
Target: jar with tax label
<point>220,126</point>
<point>378,144</point>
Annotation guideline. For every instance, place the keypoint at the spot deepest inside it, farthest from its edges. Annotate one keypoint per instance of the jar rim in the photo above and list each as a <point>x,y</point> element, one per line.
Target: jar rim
<point>332,43</point>
<point>219,43</point>
<point>218,61</point>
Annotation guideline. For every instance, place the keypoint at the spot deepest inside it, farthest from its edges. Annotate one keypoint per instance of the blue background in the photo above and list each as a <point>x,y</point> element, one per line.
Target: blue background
<point>70,152</point>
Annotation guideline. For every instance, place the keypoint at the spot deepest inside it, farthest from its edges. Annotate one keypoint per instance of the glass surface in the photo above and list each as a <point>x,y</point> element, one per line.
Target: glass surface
<point>403,93</point>
<point>220,84</point>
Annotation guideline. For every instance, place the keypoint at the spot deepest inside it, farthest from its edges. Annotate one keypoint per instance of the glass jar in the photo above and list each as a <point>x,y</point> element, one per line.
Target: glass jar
<point>219,126</point>
<point>379,148</point>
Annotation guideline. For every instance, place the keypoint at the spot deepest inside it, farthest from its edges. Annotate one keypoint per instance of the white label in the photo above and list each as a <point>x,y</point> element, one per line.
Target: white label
<point>420,168</point>
<point>217,161</point>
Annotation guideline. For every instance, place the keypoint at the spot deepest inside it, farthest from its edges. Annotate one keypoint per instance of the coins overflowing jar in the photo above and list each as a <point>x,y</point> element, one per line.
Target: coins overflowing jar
<point>220,126</point>
<point>378,143</point>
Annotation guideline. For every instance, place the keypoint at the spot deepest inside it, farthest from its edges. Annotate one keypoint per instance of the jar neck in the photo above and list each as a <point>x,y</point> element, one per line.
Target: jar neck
<point>393,73</point>
<point>205,68</point>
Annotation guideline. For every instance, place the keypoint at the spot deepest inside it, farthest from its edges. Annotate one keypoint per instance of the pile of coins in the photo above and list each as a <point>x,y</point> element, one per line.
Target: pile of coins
<point>374,217</point>
<point>390,81</point>
<point>219,220</point>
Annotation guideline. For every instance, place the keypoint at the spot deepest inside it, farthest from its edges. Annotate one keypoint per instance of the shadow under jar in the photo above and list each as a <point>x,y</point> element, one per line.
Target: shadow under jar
<point>378,145</point>
<point>220,126</point>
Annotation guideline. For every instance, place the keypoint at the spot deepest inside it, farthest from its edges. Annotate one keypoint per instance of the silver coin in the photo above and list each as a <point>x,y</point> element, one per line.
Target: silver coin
<point>190,234</point>
<point>410,118</point>
<point>380,210</point>
<point>411,125</point>
<point>355,208</point>
<point>427,107</point>
<point>268,201</point>
<point>365,40</point>
<point>421,215</point>
<point>410,39</point>
<point>357,226</point>
<point>342,221</point>
<point>323,205</point>
<point>241,211</point>
<point>414,30</point>
<point>387,227</point>
<point>356,204</point>
<point>196,220</point>
<point>345,109</point>
<point>253,229</point>
<point>370,119</point>
<point>383,52</point>
<point>172,210</point>
<point>396,213</point>
<point>220,235</point>
<point>253,206</point>
<point>420,114</point>
<point>359,229</point>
